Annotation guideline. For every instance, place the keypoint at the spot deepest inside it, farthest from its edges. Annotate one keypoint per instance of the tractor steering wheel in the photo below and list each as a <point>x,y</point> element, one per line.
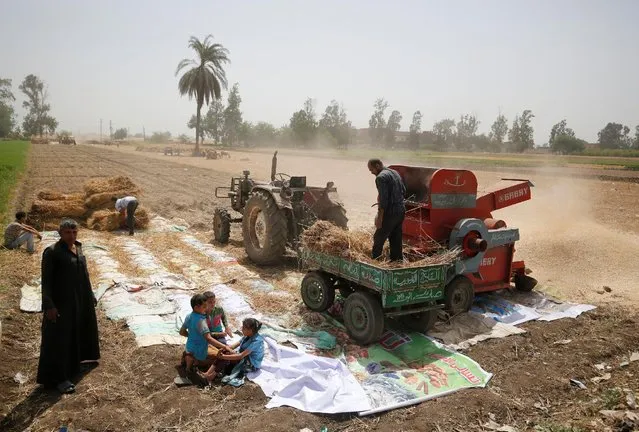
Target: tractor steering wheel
<point>283,178</point>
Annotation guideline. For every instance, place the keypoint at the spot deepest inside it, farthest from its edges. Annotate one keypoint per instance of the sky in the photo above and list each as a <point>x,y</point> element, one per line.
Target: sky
<point>115,60</point>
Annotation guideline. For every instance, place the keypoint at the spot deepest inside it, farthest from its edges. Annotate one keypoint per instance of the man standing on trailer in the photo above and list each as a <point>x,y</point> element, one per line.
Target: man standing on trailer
<point>390,210</point>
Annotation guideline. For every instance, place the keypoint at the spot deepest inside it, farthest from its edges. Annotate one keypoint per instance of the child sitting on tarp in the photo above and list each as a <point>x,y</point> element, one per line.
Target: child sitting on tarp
<point>215,318</point>
<point>201,348</point>
<point>249,358</point>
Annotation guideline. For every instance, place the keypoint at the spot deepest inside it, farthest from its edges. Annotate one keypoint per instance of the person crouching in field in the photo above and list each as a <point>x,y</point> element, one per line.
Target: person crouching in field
<point>18,233</point>
<point>249,358</point>
<point>201,348</point>
<point>126,206</point>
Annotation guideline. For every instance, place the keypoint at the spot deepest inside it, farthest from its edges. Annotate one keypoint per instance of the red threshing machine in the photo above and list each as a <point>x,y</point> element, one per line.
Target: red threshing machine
<point>442,208</point>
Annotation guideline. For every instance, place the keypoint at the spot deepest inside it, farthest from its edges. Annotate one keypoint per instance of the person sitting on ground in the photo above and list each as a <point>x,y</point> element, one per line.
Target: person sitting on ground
<point>127,206</point>
<point>249,358</point>
<point>199,338</point>
<point>18,233</point>
<point>215,318</point>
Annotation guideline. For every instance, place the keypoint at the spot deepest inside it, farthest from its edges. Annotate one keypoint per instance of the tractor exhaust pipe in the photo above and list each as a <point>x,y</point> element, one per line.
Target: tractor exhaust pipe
<point>274,166</point>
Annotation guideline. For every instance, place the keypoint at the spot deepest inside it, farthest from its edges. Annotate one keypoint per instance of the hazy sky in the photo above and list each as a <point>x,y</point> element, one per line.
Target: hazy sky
<point>116,60</point>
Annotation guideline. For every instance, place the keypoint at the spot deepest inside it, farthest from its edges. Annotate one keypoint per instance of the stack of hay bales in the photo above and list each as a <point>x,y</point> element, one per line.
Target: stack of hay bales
<point>95,207</point>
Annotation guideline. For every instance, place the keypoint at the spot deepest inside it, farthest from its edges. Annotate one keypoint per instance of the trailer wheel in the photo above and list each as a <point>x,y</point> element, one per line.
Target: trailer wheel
<point>524,282</point>
<point>221,225</point>
<point>318,293</point>
<point>420,322</point>
<point>459,295</point>
<point>364,317</point>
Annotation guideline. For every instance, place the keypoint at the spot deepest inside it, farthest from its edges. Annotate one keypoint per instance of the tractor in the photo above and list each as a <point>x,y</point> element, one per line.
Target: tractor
<point>274,214</point>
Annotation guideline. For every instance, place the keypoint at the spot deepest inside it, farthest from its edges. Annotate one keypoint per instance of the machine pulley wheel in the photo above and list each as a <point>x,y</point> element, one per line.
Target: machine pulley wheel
<point>318,292</point>
<point>364,317</point>
<point>221,225</point>
<point>459,295</point>
<point>419,322</point>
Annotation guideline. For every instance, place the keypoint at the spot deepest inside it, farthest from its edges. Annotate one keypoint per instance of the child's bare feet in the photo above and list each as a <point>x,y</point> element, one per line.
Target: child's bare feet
<point>208,376</point>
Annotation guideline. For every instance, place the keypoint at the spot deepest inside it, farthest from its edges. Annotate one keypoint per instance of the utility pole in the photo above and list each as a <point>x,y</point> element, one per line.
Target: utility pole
<point>100,130</point>
<point>110,131</point>
<point>143,134</point>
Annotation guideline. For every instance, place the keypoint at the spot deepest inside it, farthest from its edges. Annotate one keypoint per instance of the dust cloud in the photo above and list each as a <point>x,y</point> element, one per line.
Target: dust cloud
<point>573,255</point>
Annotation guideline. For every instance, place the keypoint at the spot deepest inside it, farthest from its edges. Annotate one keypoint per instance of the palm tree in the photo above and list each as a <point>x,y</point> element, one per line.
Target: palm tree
<point>205,78</point>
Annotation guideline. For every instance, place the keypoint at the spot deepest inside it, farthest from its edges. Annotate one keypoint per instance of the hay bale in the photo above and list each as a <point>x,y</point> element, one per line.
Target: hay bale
<point>111,184</point>
<point>72,208</point>
<point>104,200</point>
<point>104,220</point>
<point>111,220</point>
<point>49,195</point>
<point>142,218</point>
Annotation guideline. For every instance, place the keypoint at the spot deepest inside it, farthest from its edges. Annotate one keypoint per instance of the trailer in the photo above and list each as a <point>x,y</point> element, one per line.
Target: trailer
<point>412,295</point>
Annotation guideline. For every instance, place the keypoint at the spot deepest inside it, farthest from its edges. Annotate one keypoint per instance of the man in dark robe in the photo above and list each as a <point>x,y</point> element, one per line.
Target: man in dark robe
<point>69,324</point>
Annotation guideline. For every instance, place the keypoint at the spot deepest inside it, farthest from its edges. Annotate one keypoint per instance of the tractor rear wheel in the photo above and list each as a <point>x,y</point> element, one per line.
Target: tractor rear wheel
<point>420,322</point>
<point>524,282</point>
<point>337,215</point>
<point>459,295</point>
<point>318,292</point>
<point>221,225</point>
<point>364,317</point>
<point>264,229</point>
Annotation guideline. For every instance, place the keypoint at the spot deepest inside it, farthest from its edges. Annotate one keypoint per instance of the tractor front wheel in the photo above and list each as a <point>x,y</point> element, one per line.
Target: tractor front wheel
<point>420,322</point>
<point>221,225</point>
<point>318,292</point>
<point>364,317</point>
<point>459,295</point>
<point>264,229</point>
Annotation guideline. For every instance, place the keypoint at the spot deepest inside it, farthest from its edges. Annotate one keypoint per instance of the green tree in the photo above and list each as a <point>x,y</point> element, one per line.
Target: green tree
<point>264,133</point>
<point>521,134</point>
<point>7,121</point>
<point>184,139</point>
<point>205,78</point>
<point>161,137</point>
<point>233,116</point>
<point>37,121</point>
<point>636,142</point>
<point>614,136</point>
<point>498,132</point>
<point>560,129</point>
<point>392,126</point>
<point>245,133</point>
<point>377,122</point>
<point>120,134</point>
<point>214,121</point>
<point>466,130</point>
<point>334,122</point>
<point>415,130</point>
<point>303,124</point>
<point>567,144</point>
<point>444,131</point>
<point>192,124</point>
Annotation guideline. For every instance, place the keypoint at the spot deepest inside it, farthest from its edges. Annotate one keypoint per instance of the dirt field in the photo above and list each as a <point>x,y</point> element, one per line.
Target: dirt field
<point>578,235</point>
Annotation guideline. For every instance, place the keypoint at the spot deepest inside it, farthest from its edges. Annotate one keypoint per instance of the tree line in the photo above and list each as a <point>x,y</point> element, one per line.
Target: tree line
<point>38,120</point>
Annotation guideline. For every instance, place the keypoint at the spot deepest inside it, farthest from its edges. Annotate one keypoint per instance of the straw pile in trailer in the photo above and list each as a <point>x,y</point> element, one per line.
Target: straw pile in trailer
<point>324,237</point>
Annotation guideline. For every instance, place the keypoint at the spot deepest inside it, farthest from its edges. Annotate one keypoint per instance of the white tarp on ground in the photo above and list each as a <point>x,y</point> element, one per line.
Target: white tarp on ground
<point>498,314</point>
<point>307,382</point>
